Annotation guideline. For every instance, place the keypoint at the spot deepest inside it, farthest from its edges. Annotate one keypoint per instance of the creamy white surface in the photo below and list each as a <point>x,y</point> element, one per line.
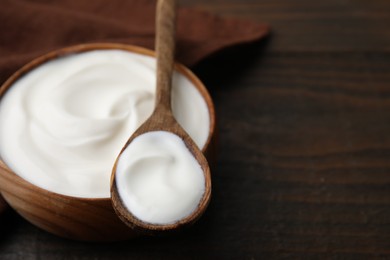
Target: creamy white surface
<point>158,179</point>
<point>63,124</point>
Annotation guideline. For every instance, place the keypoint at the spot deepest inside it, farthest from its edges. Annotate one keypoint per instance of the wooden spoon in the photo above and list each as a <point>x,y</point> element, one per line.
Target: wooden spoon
<point>162,119</point>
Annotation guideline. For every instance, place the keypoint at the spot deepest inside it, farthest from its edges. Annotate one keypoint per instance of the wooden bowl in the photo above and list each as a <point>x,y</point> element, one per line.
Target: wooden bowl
<point>90,219</point>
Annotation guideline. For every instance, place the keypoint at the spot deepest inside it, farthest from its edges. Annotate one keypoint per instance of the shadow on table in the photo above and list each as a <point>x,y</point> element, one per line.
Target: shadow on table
<point>226,68</point>
<point>9,221</point>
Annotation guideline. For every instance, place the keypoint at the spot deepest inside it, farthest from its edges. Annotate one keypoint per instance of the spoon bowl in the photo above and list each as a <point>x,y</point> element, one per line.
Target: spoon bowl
<point>169,124</point>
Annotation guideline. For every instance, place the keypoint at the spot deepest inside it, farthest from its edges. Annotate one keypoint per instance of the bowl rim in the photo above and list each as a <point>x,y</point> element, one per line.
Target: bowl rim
<point>81,48</point>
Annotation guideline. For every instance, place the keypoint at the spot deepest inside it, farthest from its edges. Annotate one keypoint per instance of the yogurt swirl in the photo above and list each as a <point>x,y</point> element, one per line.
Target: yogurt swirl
<point>158,179</point>
<point>63,124</point>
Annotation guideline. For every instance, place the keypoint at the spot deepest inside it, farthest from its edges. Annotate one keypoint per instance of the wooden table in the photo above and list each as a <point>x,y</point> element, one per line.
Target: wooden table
<point>304,159</point>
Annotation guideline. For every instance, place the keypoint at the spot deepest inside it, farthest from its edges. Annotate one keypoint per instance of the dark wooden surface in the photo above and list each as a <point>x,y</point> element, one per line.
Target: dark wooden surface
<point>304,159</point>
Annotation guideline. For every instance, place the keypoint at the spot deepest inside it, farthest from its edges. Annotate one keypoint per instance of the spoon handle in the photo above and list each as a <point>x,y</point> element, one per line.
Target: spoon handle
<point>165,48</point>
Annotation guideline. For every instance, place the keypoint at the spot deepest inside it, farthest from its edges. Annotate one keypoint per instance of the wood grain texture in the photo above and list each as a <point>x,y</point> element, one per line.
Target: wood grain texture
<point>312,26</point>
<point>303,168</point>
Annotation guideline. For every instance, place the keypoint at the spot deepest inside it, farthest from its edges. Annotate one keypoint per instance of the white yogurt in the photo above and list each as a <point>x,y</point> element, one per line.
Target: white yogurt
<point>63,124</point>
<point>158,179</point>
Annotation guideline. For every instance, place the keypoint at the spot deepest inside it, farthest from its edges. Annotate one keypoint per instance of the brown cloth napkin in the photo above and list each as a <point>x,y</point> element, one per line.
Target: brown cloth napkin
<point>30,28</point>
